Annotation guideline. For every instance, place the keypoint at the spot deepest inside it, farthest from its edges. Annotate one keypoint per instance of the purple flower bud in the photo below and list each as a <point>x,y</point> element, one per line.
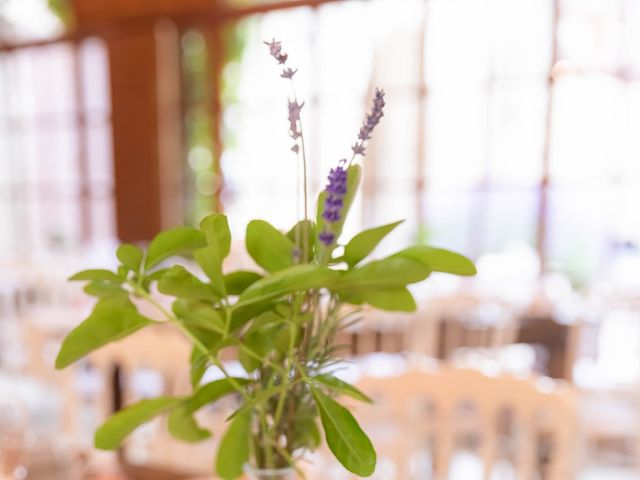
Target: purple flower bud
<point>358,148</point>
<point>331,215</point>
<point>326,237</point>
<point>334,201</point>
<point>337,186</point>
<point>370,122</point>
<point>288,73</point>
<point>275,50</point>
<point>294,119</point>
<point>335,190</point>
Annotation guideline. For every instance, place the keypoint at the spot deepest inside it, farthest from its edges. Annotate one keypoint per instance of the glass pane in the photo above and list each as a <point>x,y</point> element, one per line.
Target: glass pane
<point>40,145</point>
<point>587,110</point>
<point>457,130</point>
<point>517,116</point>
<point>590,34</point>
<point>509,216</point>
<point>577,229</point>
<point>449,214</point>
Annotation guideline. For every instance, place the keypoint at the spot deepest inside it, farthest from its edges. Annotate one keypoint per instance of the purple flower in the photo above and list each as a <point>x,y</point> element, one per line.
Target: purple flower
<point>337,180</point>
<point>294,119</point>
<point>372,120</point>
<point>288,73</point>
<point>275,50</point>
<point>358,148</point>
<point>336,189</point>
<point>326,237</point>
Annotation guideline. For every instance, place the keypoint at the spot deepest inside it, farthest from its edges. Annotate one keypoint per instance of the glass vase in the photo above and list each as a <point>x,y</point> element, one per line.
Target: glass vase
<point>253,473</point>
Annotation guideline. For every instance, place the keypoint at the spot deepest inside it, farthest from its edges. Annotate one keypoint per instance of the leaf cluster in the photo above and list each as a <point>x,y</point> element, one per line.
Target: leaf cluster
<point>280,321</point>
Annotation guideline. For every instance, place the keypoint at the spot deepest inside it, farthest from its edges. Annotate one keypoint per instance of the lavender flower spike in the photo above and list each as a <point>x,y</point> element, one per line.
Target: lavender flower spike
<point>275,50</point>
<point>372,120</point>
<point>326,237</point>
<point>288,73</point>
<point>294,119</point>
<point>336,189</point>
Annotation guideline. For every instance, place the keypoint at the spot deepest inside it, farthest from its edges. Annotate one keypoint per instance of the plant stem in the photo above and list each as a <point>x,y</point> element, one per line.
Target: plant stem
<point>268,454</point>
<point>305,227</point>
<point>290,460</point>
<point>297,303</point>
<point>195,340</point>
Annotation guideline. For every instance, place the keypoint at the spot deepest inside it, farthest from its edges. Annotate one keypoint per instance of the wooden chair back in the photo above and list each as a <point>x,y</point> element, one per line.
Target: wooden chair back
<point>420,412</point>
<point>445,324</point>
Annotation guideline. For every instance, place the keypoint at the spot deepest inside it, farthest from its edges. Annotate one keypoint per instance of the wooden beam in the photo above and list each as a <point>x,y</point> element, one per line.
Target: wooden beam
<point>141,96</point>
<point>92,11</point>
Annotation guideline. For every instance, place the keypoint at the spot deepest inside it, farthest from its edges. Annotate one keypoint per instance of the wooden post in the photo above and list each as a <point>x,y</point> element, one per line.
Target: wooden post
<point>146,144</point>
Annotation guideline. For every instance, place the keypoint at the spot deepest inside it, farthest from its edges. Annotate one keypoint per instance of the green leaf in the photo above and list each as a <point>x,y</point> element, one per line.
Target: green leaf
<point>234,447</point>
<point>179,282</point>
<point>153,277</point>
<point>264,320</point>
<point>183,426</point>
<point>306,433</point>
<point>216,230</point>
<point>382,274</point>
<point>111,434</point>
<point>345,438</point>
<point>268,246</point>
<point>199,363</point>
<point>237,282</point>
<point>354,174</point>
<point>339,386</point>
<point>364,242</point>
<point>123,272</point>
<point>207,336</point>
<point>395,299</point>
<point>96,274</point>
<point>261,397</point>
<point>113,318</point>
<point>212,391</point>
<point>198,314</point>
<point>242,314</point>
<point>98,288</point>
<point>174,242</point>
<point>439,260</point>
<point>181,423</point>
<point>260,341</point>
<point>130,256</point>
<point>293,279</point>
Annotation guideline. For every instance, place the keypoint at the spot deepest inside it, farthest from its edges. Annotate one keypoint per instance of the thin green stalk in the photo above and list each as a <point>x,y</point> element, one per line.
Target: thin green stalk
<point>297,303</point>
<point>195,340</point>
<point>268,362</point>
<point>305,228</point>
<point>268,454</point>
<point>287,456</point>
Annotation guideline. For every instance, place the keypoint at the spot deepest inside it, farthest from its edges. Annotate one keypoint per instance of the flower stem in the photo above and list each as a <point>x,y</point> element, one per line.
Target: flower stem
<point>195,340</point>
<point>305,194</point>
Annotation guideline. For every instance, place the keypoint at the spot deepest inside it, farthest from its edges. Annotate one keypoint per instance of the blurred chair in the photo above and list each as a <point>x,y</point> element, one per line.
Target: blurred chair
<point>445,324</point>
<point>151,363</point>
<point>419,416</point>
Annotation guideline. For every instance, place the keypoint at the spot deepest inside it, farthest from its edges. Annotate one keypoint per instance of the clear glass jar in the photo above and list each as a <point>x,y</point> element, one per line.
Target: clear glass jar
<point>270,473</point>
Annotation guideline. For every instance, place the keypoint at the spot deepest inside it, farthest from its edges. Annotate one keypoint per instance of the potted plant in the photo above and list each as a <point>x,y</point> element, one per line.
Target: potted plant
<point>281,320</point>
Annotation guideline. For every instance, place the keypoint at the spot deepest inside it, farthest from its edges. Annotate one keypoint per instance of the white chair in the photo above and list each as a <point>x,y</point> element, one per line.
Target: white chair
<point>427,411</point>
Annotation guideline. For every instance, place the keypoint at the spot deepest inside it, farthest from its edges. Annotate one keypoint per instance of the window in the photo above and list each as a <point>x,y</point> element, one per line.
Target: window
<point>55,149</point>
<point>508,122</point>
